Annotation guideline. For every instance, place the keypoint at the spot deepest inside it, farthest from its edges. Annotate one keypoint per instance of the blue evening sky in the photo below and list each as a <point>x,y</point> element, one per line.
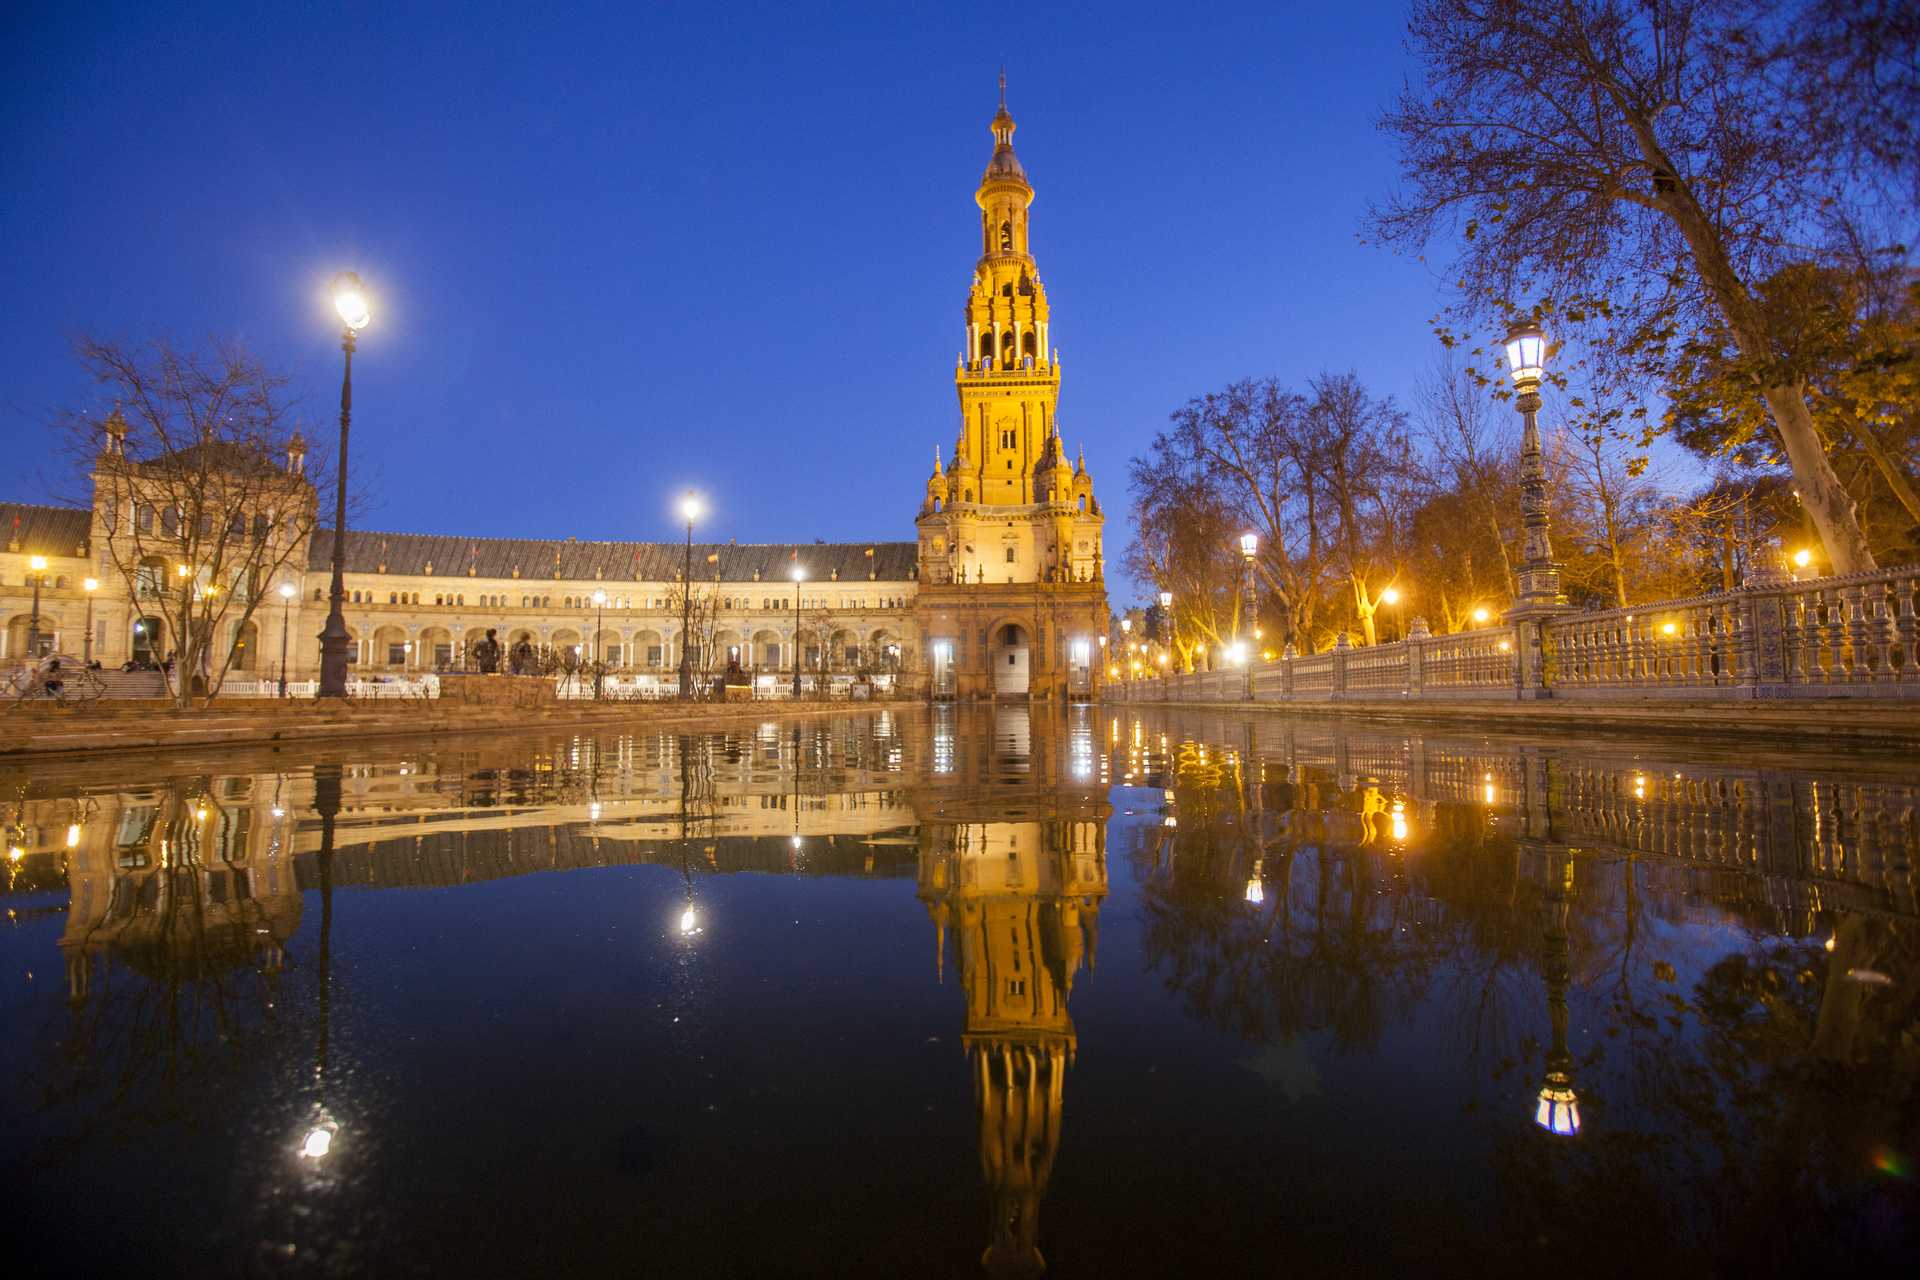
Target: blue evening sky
<point>619,251</point>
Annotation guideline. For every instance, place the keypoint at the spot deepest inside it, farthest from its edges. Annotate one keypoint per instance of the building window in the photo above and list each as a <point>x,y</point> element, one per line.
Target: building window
<point>1010,556</point>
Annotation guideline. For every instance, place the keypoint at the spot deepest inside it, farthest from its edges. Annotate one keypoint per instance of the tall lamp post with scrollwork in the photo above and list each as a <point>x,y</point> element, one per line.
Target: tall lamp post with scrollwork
<point>1539,595</point>
<point>350,301</point>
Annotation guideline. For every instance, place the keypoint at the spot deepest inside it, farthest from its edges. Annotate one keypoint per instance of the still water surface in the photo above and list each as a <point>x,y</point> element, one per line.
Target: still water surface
<point>918,993</point>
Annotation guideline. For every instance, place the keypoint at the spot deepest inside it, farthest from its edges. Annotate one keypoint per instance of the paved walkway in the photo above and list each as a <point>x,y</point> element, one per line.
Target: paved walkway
<point>127,726</point>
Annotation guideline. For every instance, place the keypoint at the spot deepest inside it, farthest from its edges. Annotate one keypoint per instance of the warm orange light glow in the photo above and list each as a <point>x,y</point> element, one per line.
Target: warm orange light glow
<point>89,584</point>
<point>37,563</point>
<point>1668,628</point>
<point>1802,558</point>
<point>1390,596</point>
<point>1480,615</point>
<point>1506,646</point>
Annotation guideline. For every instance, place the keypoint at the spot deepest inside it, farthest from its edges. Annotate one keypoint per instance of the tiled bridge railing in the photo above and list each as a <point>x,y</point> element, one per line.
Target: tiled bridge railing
<point>1856,636</point>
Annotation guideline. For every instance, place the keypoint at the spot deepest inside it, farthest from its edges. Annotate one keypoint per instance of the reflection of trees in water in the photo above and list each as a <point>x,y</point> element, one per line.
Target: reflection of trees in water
<point>1743,1126</point>
<point>1726,1117</point>
<point>1346,935</point>
<point>174,972</point>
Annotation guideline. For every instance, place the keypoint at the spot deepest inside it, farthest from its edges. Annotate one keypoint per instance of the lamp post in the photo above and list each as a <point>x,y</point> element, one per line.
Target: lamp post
<point>599,620</point>
<point>1166,615</point>
<point>38,564</point>
<point>1391,598</point>
<point>690,508</point>
<point>350,300</point>
<point>1540,594</point>
<point>88,585</point>
<point>799,576</point>
<point>1249,544</point>
<point>286,620</point>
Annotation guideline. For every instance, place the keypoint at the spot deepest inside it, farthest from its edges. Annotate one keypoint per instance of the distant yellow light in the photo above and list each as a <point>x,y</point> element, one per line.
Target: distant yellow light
<point>201,813</point>
<point>689,922</point>
<point>1164,659</point>
<point>1480,615</point>
<point>1399,819</point>
<point>37,563</point>
<point>73,835</point>
<point>1506,646</point>
<point>1389,596</point>
<point>89,584</point>
<point>15,853</point>
<point>182,570</point>
<point>1668,628</point>
<point>1802,558</point>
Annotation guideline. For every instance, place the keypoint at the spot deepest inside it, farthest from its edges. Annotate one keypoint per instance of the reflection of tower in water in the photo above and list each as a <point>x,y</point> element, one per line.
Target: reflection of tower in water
<point>1022,900</point>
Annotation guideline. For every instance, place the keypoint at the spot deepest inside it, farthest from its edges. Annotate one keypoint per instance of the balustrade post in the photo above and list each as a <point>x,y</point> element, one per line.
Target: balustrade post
<point>1416,645</point>
<point>1287,655</point>
<point>1342,647</point>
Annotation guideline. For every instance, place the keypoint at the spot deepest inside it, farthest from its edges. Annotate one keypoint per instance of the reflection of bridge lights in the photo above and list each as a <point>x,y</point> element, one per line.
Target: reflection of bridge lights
<point>593,811</point>
<point>1170,821</point>
<point>15,853</point>
<point>1486,789</point>
<point>1639,786</point>
<point>278,812</point>
<point>1558,1109</point>
<point>73,835</point>
<point>1399,817</point>
<point>1833,940</point>
<point>796,841</point>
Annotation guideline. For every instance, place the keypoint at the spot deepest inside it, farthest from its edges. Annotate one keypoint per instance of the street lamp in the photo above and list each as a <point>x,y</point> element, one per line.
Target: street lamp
<point>599,620</point>
<point>39,566</point>
<point>88,585</point>
<point>286,620</point>
<point>1526,346</point>
<point>1391,597</point>
<point>350,301</point>
<point>1249,545</point>
<point>799,576</point>
<point>690,508</point>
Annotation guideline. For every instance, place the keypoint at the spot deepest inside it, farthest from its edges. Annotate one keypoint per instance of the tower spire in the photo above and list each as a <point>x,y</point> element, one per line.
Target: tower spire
<point>1003,86</point>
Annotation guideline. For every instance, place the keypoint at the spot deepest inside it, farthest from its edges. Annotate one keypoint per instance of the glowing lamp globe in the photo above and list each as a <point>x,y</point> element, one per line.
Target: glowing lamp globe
<point>1526,354</point>
<point>350,300</point>
<point>599,598</point>
<point>690,508</point>
<point>1389,596</point>
<point>689,922</point>
<point>1249,543</point>
<point>799,573</point>
<point>37,563</point>
<point>316,1144</point>
<point>1166,599</point>
<point>286,591</point>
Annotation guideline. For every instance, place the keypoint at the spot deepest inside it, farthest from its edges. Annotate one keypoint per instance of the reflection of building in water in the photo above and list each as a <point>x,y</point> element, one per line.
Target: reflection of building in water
<point>179,884</point>
<point>1016,874</point>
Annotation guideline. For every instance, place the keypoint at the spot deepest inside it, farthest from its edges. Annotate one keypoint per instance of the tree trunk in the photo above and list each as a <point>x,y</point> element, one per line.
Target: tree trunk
<point>1826,499</point>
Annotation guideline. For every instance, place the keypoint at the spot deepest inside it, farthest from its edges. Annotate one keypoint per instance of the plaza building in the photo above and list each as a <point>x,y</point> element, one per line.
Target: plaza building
<point>1000,594</point>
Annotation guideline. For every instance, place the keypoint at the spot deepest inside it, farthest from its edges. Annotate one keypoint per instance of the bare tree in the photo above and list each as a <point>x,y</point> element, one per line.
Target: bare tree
<point>1646,162</point>
<point>203,491</point>
<point>1363,456</point>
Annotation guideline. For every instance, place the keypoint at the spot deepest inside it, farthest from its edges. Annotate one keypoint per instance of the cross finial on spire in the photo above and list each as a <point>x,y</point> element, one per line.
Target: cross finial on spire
<point>1003,87</point>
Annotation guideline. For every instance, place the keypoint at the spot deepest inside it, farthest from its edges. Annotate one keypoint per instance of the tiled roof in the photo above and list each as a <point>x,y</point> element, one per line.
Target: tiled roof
<point>538,558</point>
<point>46,531</point>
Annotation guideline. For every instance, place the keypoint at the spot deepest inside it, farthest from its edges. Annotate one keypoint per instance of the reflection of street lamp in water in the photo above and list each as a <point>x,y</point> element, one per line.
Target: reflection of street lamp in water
<point>1557,1106</point>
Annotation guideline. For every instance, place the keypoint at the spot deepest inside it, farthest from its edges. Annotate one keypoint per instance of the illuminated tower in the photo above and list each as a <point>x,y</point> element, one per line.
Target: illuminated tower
<point>1012,590</point>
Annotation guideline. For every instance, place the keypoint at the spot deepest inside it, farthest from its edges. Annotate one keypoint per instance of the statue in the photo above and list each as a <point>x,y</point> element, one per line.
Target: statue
<point>487,654</point>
